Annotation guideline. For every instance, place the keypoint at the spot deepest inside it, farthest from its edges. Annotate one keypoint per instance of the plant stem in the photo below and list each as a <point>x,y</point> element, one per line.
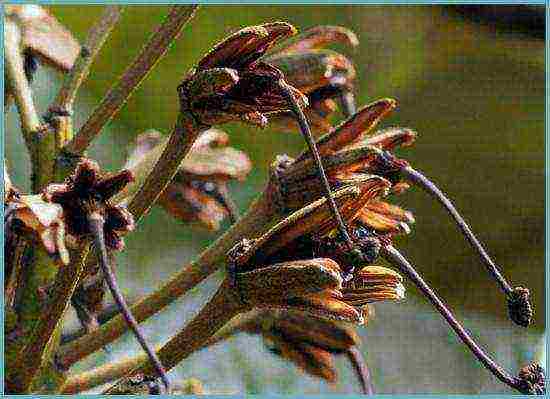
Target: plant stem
<point>101,375</point>
<point>179,144</point>
<point>393,256</point>
<point>306,132</point>
<point>96,224</point>
<point>18,83</point>
<point>422,181</point>
<point>361,370</point>
<point>132,77</point>
<point>39,345</point>
<point>97,36</point>
<point>213,316</point>
<point>40,143</point>
<point>255,219</point>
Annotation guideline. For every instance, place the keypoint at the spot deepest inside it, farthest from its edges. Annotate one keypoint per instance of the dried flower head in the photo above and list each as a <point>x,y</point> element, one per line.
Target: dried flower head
<point>87,191</point>
<point>43,37</point>
<point>231,82</point>
<point>323,75</point>
<point>35,218</point>
<point>198,192</point>
<point>307,341</point>
<point>293,239</point>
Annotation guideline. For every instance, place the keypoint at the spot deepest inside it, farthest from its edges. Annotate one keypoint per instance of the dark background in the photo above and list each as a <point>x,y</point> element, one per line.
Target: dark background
<point>469,80</point>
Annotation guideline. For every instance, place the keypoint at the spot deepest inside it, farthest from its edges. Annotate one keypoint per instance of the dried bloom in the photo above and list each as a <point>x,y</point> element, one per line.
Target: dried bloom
<point>43,37</point>
<point>232,83</point>
<point>199,190</point>
<point>87,191</point>
<point>307,341</point>
<point>44,221</point>
<point>293,238</point>
<point>322,75</point>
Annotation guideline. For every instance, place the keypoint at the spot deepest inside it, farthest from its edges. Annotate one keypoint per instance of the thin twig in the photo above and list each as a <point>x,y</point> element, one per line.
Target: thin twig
<point>360,367</point>
<point>306,132</point>
<point>422,181</point>
<point>97,36</point>
<point>393,256</point>
<point>132,77</point>
<point>96,224</point>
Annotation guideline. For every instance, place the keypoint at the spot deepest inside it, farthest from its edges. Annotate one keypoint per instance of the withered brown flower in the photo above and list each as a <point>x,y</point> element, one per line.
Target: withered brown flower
<point>298,237</point>
<point>326,77</point>
<point>349,156</point>
<point>307,341</point>
<point>87,190</point>
<point>37,219</point>
<point>231,82</point>
<point>198,192</point>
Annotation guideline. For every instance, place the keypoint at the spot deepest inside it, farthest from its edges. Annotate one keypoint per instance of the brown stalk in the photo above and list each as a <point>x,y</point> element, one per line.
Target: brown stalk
<point>223,306</point>
<point>259,214</point>
<point>97,36</point>
<point>132,77</point>
<point>35,353</point>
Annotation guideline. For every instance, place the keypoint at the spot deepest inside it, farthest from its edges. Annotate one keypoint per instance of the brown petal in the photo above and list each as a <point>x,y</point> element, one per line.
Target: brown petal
<point>328,334</point>
<point>392,211</point>
<point>311,359</point>
<point>353,129</point>
<point>112,184</point>
<point>315,70</point>
<point>382,223</point>
<point>282,280</point>
<point>85,175</point>
<point>188,204</point>
<point>390,138</point>
<point>301,222</point>
<point>319,37</point>
<point>325,304</point>
<point>44,36</point>
<point>245,46</point>
<point>216,163</point>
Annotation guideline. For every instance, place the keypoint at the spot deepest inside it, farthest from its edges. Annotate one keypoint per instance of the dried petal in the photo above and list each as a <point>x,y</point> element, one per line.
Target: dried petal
<point>392,211</point>
<point>311,359</point>
<point>319,37</point>
<point>288,279</point>
<point>390,138</point>
<point>246,46</point>
<point>382,223</point>
<point>45,221</point>
<point>353,129</point>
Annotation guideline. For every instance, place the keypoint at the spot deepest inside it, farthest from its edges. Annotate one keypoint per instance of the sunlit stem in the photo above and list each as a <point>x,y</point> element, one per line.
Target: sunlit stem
<point>360,366</point>
<point>306,132</point>
<point>393,256</point>
<point>96,223</point>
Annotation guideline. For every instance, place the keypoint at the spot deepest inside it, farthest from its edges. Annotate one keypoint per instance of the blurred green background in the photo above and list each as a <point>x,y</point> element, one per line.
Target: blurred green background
<point>474,90</point>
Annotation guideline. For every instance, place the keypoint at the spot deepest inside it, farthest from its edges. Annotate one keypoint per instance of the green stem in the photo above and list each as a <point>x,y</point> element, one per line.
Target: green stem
<point>39,346</point>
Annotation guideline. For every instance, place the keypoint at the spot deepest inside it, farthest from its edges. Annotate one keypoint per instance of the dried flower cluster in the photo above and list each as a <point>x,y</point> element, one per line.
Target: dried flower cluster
<point>302,264</point>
